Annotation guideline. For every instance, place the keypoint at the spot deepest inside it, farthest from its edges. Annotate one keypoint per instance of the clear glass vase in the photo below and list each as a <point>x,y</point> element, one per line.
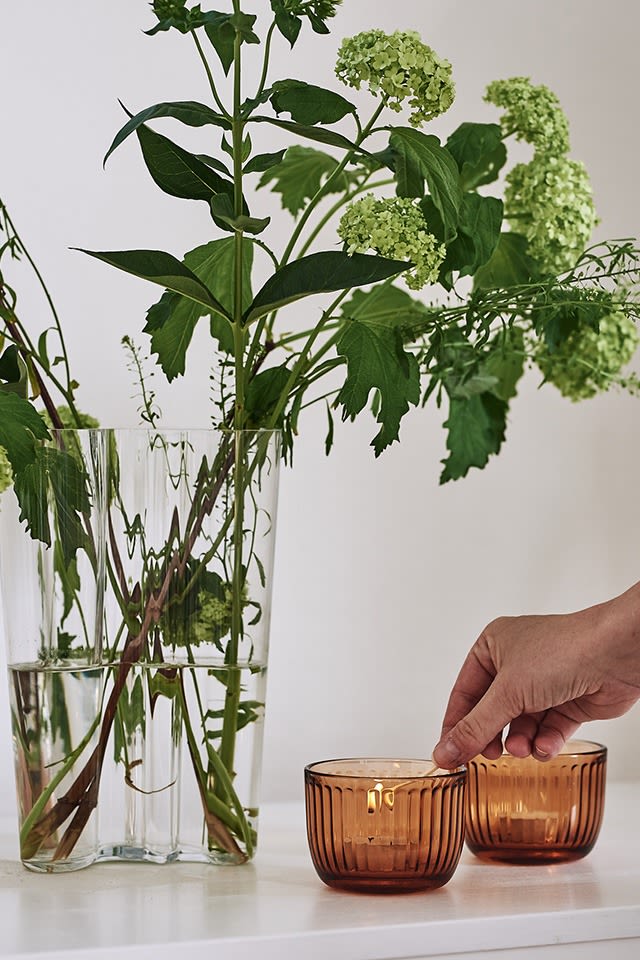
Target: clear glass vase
<point>190,537</point>
<point>52,584</point>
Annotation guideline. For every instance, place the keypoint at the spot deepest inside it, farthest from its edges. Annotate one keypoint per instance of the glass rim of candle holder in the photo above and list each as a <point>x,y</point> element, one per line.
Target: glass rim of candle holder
<point>317,768</point>
<point>382,825</point>
<point>522,810</point>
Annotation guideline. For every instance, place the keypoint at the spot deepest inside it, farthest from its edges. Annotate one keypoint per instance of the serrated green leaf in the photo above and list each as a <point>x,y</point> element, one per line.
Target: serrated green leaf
<point>172,320</point>
<point>376,360</point>
<point>178,172</point>
<point>321,273</point>
<point>509,265</point>
<point>54,479</point>
<point>390,306</point>
<point>308,104</point>
<point>20,426</point>
<point>476,429</point>
<point>300,175</point>
<point>505,363</point>
<point>479,152</point>
<point>186,111</point>
<point>162,268</point>
<point>426,157</point>
<point>69,579</point>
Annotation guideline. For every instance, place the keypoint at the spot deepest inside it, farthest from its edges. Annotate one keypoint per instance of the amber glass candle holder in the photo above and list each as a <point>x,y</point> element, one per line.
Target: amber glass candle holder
<point>384,826</point>
<point>529,811</point>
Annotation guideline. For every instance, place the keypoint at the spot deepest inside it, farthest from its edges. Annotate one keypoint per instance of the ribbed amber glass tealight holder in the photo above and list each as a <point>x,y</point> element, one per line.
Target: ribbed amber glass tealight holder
<point>529,811</point>
<point>384,826</point>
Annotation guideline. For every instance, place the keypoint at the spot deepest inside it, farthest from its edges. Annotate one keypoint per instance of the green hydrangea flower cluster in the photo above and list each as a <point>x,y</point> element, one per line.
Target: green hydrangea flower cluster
<point>550,202</point>
<point>214,616</point>
<point>6,473</point>
<point>400,67</point>
<point>395,228</point>
<point>87,422</point>
<point>589,360</point>
<point>532,113</point>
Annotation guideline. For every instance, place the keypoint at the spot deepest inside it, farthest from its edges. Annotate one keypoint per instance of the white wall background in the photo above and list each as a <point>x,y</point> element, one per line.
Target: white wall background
<point>383,578</point>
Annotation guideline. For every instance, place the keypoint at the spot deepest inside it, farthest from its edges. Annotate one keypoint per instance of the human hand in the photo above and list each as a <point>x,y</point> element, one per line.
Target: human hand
<point>543,675</point>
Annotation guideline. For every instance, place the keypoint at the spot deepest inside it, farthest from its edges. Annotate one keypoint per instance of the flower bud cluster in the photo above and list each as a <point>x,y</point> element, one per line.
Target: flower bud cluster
<point>164,9</point>
<point>399,67</point>
<point>323,9</point>
<point>589,360</point>
<point>532,113</point>
<point>6,473</point>
<point>550,201</point>
<point>395,228</point>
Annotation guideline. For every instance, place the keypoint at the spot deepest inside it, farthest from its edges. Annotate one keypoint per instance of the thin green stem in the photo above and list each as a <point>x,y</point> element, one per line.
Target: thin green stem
<point>302,361</point>
<point>45,289</point>
<point>265,60</point>
<point>212,85</point>
<point>326,186</point>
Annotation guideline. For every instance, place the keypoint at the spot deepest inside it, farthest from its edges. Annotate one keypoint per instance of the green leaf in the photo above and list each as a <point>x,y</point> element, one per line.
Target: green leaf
<point>376,360</point>
<point>509,265</point>
<point>478,235</point>
<point>172,320</point>
<point>69,579</point>
<point>222,212</point>
<point>9,365</point>
<point>300,175</point>
<point>159,267</point>
<point>319,134</point>
<point>263,393</point>
<point>479,152</point>
<point>263,161</point>
<point>308,104</point>
<point>20,426</point>
<point>56,477</point>
<point>505,363</point>
<point>321,273</point>
<point>476,429</point>
<point>328,442</point>
<point>222,35</point>
<point>186,111</point>
<point>178,172</point>
<point>391,306</point>
<point>222,28</point>
<point>287,23</point>
<point>421,155</point>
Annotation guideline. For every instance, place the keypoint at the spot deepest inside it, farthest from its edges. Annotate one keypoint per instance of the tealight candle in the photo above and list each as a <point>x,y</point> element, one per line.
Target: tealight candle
<point>528,811</point>
<point>384,825</point>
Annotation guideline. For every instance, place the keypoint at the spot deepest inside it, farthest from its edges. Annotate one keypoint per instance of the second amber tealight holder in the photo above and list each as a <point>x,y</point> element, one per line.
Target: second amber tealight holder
<point>529,811</point>
<point>384,826</point>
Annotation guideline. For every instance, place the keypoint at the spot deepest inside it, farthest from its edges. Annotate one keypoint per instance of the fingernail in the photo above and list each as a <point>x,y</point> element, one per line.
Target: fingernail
<point>447,754</point>
<point>541,753</point>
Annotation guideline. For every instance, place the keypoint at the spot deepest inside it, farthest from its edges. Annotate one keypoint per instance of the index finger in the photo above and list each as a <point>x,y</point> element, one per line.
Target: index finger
<point>470,686</point>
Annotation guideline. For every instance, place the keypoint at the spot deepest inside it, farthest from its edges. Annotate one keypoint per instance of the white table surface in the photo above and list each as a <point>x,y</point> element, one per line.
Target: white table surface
<point>276,907</point>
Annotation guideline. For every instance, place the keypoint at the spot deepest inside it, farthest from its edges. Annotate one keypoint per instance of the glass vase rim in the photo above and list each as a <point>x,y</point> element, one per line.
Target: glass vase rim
<point>224,431</point>
<point>311,769</point>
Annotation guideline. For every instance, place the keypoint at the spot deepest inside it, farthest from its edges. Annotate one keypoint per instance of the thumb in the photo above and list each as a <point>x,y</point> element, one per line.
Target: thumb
<point>473,732</point>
